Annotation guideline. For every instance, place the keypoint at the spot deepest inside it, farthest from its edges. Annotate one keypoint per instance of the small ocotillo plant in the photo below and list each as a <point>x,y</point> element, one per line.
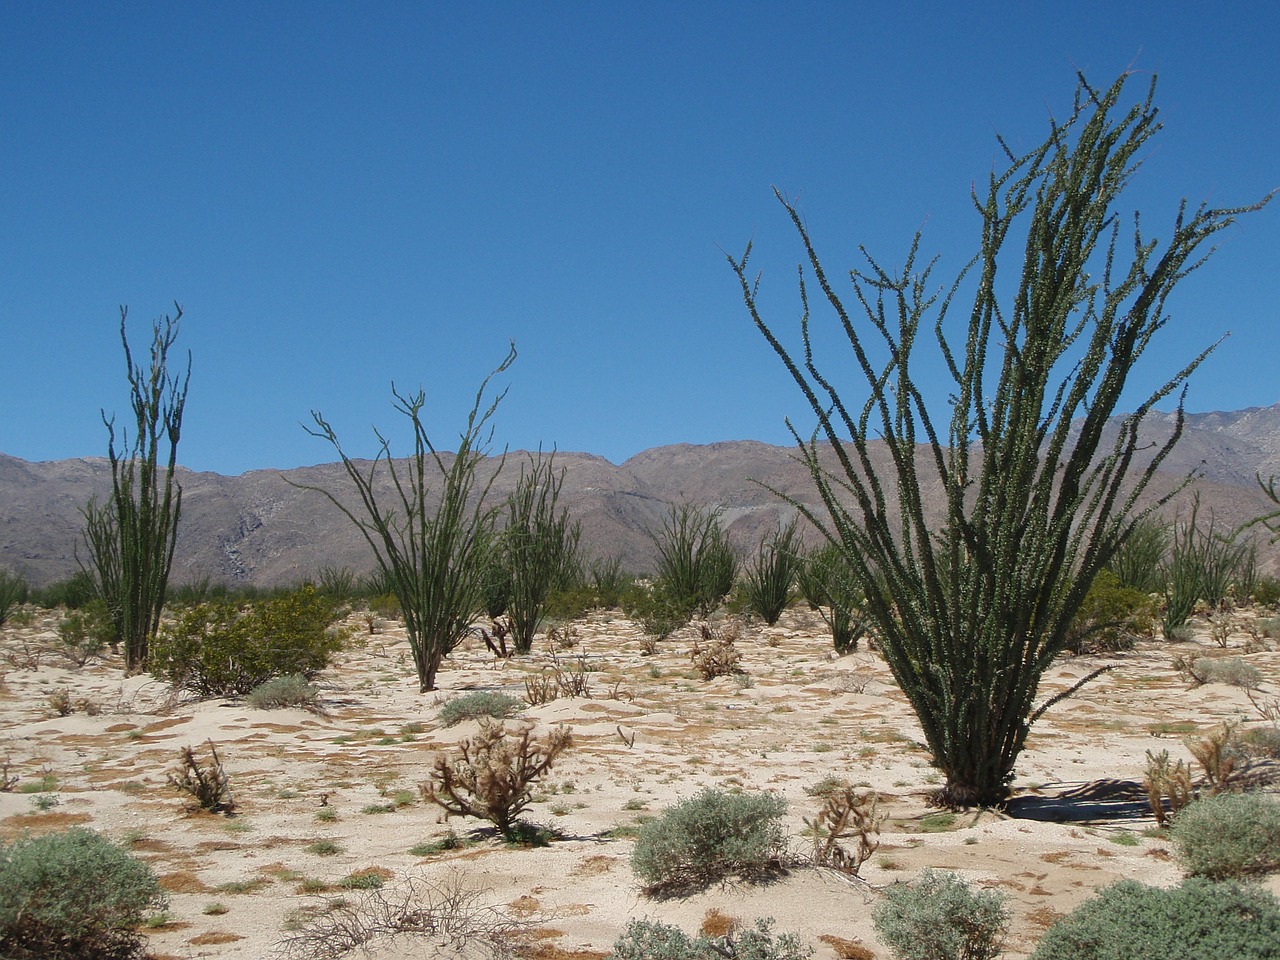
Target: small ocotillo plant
<point>538,545</point>
<point>771,576</point>
<point>430,545</point>
<point>829,589</point>
<point>696,565</point>
<point>1038,490</point>
<point>131,537</point>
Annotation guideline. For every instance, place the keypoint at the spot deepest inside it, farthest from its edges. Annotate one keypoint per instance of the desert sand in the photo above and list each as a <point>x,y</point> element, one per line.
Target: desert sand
<point>650,733</point>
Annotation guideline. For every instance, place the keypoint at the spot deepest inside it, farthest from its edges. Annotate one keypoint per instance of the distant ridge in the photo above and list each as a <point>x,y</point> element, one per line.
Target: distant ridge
<point>257,528</point>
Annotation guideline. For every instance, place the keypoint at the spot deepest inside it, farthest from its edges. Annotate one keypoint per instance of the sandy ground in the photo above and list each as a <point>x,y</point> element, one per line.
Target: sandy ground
<point>651,733</point>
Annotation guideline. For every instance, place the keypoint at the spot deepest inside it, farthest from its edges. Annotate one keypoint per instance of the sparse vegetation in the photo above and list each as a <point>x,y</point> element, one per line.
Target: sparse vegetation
<point>477,705</point>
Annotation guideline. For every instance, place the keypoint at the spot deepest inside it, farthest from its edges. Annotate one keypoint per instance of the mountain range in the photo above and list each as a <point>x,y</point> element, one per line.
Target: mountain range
<point>263,528</point>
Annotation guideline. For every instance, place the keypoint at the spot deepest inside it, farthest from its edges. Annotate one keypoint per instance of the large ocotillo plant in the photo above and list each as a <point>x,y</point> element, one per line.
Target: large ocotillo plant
<point>430,545</point>
<point>131,537</point>
<point>970,616</point>
<point>538,546</point>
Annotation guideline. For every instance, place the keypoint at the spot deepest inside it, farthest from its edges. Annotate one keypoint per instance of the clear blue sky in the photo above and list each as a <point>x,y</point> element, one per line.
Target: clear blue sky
<point>341,195</point>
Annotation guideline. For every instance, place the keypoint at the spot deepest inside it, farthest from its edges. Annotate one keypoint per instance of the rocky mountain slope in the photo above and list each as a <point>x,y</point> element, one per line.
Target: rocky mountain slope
<point>263,528</point>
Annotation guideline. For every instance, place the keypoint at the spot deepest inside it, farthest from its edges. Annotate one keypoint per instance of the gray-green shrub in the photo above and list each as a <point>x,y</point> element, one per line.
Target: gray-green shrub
<point>651,940</point>
<point>1233,671</point>
<point>482,703</point>
<point>941,917</point>
<point>1228,835</point>
<point>1197,920</point>
<point>709,837</point>
<point>289,690</point>
<point>73,896</point>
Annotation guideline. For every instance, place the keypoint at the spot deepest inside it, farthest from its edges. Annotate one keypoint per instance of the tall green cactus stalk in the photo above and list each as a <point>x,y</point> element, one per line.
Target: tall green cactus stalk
<point>1037,496</point>
<point>131,538</point>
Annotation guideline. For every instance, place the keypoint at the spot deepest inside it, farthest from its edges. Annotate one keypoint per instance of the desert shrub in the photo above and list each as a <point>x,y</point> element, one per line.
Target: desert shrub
<point>655,609</point>
<point>83,633</point>
<point>771,576</point>
<point>941,917</point>
<point>708,837</point>
<point>1197,920</point>
<point>1111,618</point>
<point>205,782</point>
<point>1229,835</point>
<point>13,591</point>
<point>492,775</point>
<point>1266,591</point>
<point>288,690</point>
<point>1259,743</point>
<point>72,593</point>
<point>220,649</point>
<point>482,703</point>
<point>1232,671</point>
<point>650,940</point>
<point>1168,785</point>
<point>73,895</point>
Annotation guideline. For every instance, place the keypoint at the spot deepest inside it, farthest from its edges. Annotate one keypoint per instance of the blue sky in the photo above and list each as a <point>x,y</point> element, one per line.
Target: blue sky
<point>343,195</point>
